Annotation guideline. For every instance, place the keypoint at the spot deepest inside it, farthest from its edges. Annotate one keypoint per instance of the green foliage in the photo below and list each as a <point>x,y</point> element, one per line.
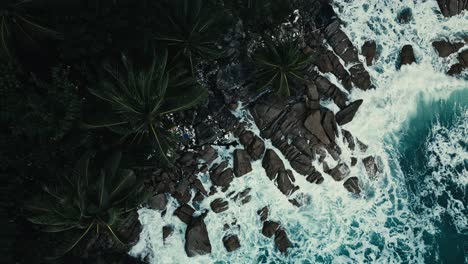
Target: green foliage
<point>260,15</point>
<point>141,101</point>
<point>16,24</point>
<point>278,64</point>
<point>91,198</point>
<point>191,28</point>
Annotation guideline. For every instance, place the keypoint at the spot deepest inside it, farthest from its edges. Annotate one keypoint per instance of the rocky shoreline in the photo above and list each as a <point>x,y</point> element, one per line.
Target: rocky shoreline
<point>299,128</point>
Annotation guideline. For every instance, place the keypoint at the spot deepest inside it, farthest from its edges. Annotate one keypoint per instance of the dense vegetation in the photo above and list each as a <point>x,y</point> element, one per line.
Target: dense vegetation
<point>88,88</point>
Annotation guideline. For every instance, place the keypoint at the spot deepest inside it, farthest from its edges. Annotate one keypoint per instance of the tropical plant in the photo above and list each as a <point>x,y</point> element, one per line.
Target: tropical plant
<point>17,24</point>
<point>141,101</point>
<point>277,64</point>
<point>191,28</point>
<point>91,198</point>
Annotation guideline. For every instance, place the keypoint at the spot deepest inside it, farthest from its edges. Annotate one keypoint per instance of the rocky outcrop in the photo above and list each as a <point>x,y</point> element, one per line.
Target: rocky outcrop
<point>167,231</point>
<point>347,114</point>
<point>328,62</point>
<point>339,172</point>
<point>407,55</point>
<point>452,7</point>
<point>445,48</point>
<point>184,213</point>
<point>158,202</point>
<point>313,123</point>
<point>369,50</point>
<point>231,243</point>
<point>371,166</point>
<point>242,164</point>
<point>222,176</point>
<point>276,171</point>
<point>219,205</point>
<point>461,65</point>
<point>197,241</point>
<point>352,185</point>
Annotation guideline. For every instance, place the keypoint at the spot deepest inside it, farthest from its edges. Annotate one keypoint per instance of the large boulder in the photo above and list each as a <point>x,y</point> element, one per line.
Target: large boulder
<point>219,205</point>
<point>445,48</point>
<point>339,172</point>
<point>407,55</point>
<point>272,163</point>
<point>231,243</point>
<point>347,114</point>
<point>221,177</point>
<point>197,241</point>
<point>270,228</point>
<point>242,164</point>
<point>352,185</point>
<point>158,202</point>
<point>371,166</point>
<point>369,50</point>
<point>184,213</point>
<point>452,7</point>
<point>256,148</point>
<point>314,125</point>
<point>282,241</point>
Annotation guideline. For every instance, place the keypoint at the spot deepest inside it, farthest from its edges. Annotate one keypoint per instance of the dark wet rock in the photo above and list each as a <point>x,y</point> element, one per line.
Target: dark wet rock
<point>187,159</point>
<point>167,231</point>
<point>270,228</point>
<point>325,87</point>
<point>244,196</point>
<point>208,154</point>
<point>265,112</point>
<point>206,133</point>
<point>371,166</point>
<point>285,182</point>
<point>130,228</point>
<point>223,178</point>
<point>263,213</point>
<point>452,7</point>
<point>272,163</point>
<point>158,202</point>
<point>455,69</point>
<point>329,125</point>
<point>184,213</point>
<point>347,114</point>
<point>360,76</point>
<point>314,125</point>
<point>405,16</point>
<point>198,197</point>
<point>315,177</point>
<point>182,191</point>
<point>347,137</point>
<point>407,55</point>
<point>197,241</point>
<point>242,164</point>
<point>369,50</point>
<point>328,62</point>
<point>463,58</point>
<point>282,241</point>
<point>340,42</point>
<point>340,172</point>
<point>353,161</point>
<point>246,138</point>
<point>219,205</point>
<point>231,243</point>
<point>256,148</point>
<point>362,147</point>
<point>445,48</point>
<point>312,92</point>
<point>199,186</point>
<point>352,185</point>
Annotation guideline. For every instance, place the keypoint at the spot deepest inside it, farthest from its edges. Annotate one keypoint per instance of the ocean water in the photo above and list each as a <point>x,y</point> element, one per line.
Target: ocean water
<point>415,121</point>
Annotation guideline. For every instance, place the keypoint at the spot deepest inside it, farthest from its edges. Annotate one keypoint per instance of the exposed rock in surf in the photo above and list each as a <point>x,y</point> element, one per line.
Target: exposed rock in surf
<point>353,161</point>
<point>369,50</point>
<point>219,205</point>
<point>463,58</point>
<point>329,90</point>
<point>158,202</point>
<point>276,171</point>
<point>349,139</point>
<point>407,55</point>
<point>445,48</point>
<point>221,177</point>
<point>282,241</point>
<point>452,7</point>
<point>329,125</point>
<point>313,124</point>
<point>263,213</point>
<point>242,164</point>
<point>352,185</point>
<point>208,154</point>
<point>347,114</point>
<point>270,228</point>
<point>371,166</point>
<point>243,197</point>
<point>197,241</point>
<point>315,177</point>
<point>328,62</point>
<point>184,213</point>
<point>167,231</point>
<point>360,76</point>
<point>231,243</point>
<point>455,69</point>
<point>256,148</point>
<point>339,172</point>
<point>182,191</point>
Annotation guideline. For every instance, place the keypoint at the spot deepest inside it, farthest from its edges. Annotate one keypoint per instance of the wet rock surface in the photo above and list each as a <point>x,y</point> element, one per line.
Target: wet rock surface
<point>352,185</point>
<point>346,115</point>
<point>452,7</point>
<point>445,48</point>
<point>197,241</point>
<point>231,243</point>
<point>369,50</point>
<point>407,55</point>
<point>242,164</point>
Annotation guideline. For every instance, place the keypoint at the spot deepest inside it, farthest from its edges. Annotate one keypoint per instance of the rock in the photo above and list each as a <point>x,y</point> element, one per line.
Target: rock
<point>270,228</point>
<point>407,55</point>
<point>352,185</point>
<point>445,48</point>
<point>329,62</point>
<point>197,241</point>
<point>371,166</point>
<point>198,197</point>
<point>353,161</point>
<point>313,124</point>
<point>199,186</point>
<point>167,231</point>
<point>315,177</point>
<point>455,69</point>
<point>244,196</point>
<point>329,125</point>
<point>347,114</point>
<point>231,243</point>
<point>256,148</point>
<point>263,213</point>
<point>340,172</point>
<point>272,163</point>
<point>405,16</point>
<point>369,50</point>
<point>222,179</point>
<point>187,159</point>
<point>362,147</point>
<point>452,7</point>
<point>242,164</point>
<point>158,202</point>
<point>205,133</point>
<point>463,57</point>
<point>312,92</point>
<point>246,138</point>
<point>281,240</point>
<point>285,181</point>
<point>360,76</point>
<point>349,139</point>
<point>219,205</point>
<point>184,213</point>
<point>208,154</point>
<point>182,191</point>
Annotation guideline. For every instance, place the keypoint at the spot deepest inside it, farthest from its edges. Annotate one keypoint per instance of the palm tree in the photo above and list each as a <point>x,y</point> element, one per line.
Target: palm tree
<point>15,24</point>
<point>277,64</point>
<point>191,28</point>
<point>91,198</point>
<point>142,100</point>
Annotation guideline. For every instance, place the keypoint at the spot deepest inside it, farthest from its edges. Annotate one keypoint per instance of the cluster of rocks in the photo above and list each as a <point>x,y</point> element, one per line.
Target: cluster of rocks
<point>452,7</point>
<point>273,228</point>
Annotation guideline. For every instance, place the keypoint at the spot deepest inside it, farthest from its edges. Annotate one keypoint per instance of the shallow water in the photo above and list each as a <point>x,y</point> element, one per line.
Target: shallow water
<point>416,121</point>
